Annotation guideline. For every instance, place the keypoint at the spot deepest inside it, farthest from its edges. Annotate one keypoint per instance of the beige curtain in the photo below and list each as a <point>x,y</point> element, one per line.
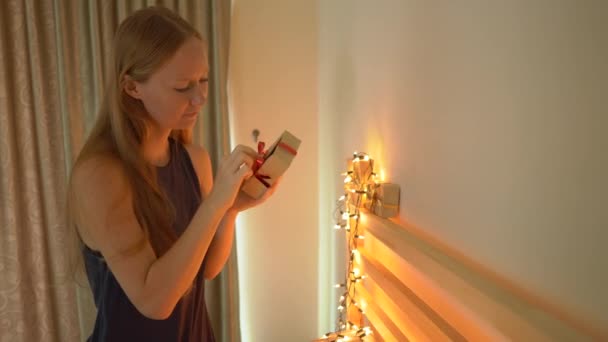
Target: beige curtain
<point>52,61</point>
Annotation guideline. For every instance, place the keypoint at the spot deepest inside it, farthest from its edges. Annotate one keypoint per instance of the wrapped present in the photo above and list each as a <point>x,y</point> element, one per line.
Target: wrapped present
<point>385,200</point>
<point>361,169</point>
<point>274,163</point>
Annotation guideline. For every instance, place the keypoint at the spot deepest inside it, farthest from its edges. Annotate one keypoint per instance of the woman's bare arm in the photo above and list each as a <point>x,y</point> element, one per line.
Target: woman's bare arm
<point>107,223</point>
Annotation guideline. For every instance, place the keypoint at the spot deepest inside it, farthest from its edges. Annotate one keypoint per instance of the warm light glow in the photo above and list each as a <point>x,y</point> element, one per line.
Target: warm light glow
<point>362,218</point>
<point>382,175</point>
<point>357,256</point>
<point>362,304</point>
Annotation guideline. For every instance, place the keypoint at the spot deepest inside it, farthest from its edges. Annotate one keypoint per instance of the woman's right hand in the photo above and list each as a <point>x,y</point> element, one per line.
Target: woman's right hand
<point>232,170</point>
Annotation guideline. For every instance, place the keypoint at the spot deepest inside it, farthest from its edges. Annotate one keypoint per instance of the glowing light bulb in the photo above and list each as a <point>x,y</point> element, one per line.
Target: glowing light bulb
<point>357,256</point>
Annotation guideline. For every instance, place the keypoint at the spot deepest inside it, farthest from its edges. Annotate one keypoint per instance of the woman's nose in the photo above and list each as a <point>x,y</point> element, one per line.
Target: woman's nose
<point>196,100</point>
<point>198,97</point>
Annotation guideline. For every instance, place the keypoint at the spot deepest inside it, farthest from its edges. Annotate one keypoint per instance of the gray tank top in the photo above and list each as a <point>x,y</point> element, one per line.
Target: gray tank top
<point>117,319</point>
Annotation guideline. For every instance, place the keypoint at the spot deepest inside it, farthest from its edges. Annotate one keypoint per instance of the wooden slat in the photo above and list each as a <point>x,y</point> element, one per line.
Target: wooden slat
<point>375,337</point>
<point>403,306</point>
<point>384,327</point>
<point>462,319</point>
<point>462,298</point>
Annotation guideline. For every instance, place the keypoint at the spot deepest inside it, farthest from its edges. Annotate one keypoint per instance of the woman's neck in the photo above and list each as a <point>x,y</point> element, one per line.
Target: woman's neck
<point>156,148</point>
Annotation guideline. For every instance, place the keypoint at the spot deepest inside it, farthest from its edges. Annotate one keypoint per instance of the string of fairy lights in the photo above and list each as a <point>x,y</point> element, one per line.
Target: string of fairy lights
<point>359,184</point>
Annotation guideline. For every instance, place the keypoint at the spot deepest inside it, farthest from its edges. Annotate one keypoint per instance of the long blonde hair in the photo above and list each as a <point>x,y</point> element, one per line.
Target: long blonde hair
<point>143,42</point>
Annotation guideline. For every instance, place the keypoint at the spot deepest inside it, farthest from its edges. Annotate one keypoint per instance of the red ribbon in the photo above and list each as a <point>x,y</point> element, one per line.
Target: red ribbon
<point>260,160</point>
<point>258,163</point>
<point>288,148</point>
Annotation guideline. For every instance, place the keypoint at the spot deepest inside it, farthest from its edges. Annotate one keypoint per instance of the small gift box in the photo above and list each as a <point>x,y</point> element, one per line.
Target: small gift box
<point>274,163</point>
<point>384,200</point>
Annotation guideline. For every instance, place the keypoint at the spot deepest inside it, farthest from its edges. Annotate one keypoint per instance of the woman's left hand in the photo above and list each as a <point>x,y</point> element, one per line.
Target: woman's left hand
<point>244,201</point>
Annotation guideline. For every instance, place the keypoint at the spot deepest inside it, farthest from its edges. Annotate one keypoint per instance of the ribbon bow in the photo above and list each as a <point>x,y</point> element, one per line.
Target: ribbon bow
<point>258,163</point>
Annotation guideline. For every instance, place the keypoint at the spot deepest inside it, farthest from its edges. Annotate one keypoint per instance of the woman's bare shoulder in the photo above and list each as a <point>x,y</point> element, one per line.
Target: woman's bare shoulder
<point>100,194</point>
<point>99,171</point>
<point>198,154</point>
<point>202,165</point>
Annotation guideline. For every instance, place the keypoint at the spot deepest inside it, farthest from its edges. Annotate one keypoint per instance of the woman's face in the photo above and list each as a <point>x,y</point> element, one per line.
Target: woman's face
<point>175,93</point>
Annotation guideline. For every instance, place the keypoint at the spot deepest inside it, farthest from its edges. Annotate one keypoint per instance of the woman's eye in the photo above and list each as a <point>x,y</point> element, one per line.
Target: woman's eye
<point>189,86</point>
<point>183,90</point>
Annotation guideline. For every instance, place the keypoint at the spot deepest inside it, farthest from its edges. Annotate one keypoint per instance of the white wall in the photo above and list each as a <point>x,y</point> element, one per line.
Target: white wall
<point>492,116</point>
<point>273,73</point>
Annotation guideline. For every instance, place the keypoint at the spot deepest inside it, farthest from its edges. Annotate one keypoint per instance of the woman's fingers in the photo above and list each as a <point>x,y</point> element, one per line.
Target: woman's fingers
<point>247,150</point>
<point>244,172</point>
<point>239,160</point>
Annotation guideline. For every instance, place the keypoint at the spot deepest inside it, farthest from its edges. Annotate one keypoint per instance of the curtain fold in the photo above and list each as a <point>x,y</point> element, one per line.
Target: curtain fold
<point>53,58</point>
<point>222,292</point>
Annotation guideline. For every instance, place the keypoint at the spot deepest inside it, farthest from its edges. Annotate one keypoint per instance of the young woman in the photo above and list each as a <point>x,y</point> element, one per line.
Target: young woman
<point>153,223</point>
